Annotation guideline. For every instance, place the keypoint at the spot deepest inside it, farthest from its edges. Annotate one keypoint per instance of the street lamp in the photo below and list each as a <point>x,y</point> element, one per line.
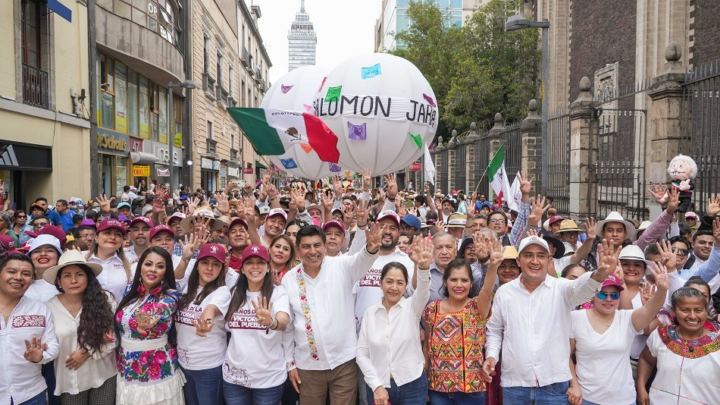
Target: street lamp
<point>518,22</point>
<point>187,84</point>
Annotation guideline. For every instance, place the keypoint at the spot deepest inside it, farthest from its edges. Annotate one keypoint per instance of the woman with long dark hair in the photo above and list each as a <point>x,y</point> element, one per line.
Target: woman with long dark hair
<point>19,226</point>
<point>147,362</point>
<point>202,341</point>
<point>83,317</point>
<point>255,370</point>
<point>108,251</point>
<point>282,257</point>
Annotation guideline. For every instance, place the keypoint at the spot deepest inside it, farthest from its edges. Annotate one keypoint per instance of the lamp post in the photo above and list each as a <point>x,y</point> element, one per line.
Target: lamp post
<point>187,84</point>
<point>518,22</point>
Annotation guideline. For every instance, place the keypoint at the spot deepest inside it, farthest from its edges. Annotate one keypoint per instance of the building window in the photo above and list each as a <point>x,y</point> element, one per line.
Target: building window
<point>145,108</point>
<point>206,56</point>
<point>132,103</point>
<point>107,95</point>
<point>121,116</point>
<point>163,115</point>
<point>157,15</point>
<point>30,18</point>
<point>177,116</point>
<point>218,71</point>
<point>209,130</point>
<point>230,81</point>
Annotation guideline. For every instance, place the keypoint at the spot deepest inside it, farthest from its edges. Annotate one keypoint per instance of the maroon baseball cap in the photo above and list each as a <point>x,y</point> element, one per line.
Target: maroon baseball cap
<point>159,229</point>
<point>145,220</point>
<point>8,242</point>
<point>111,224</point>
<point>389,214</point>
<point>613,281</point>
<point>334,223</point>
<point>50,230</point>
<point>213,250</point>
<point>255,251</point>
<point>236,221</point>
<point>555,218</point>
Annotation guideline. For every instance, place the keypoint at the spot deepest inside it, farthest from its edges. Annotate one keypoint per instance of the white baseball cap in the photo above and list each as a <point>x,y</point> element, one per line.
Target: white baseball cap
<point>534,240</point>
<point>43,240</point>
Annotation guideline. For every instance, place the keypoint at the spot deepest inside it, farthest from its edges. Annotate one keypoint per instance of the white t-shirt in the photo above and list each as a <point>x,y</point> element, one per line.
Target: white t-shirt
<point>694,379</point>
<point>255,357</point>
<point>639,340</point>
<point>561,263</point>
<point>113,276</point>
<point>202,353</point>
<point>603,364</point>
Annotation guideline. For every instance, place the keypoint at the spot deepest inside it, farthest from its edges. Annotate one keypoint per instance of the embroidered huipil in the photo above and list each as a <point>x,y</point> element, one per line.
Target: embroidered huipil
<point>322,331</point>
<point>21,379</point>
<point>455,343</point>
<point>148,360</point>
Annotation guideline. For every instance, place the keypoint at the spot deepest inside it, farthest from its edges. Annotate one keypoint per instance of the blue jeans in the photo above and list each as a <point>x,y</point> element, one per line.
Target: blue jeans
<point>553,394</point>
<point>456,398</point>
<point>38,399</point>
<point>412,393</point>
<point>48,373</point>
<point>203,387</point>
<point>239,395</point>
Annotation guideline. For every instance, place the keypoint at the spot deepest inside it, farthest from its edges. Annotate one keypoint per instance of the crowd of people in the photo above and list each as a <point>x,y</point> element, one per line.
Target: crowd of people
<point>280,293</point>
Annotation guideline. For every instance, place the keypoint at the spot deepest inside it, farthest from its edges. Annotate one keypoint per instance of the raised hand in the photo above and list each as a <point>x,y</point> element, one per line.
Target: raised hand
<point>538,208</point>
<point>158,204</point>
<point>203,326</point>
<point>327,201</point>
<point>391,184</point>
<point>146,320</point>
<point>373,236</point>
<point>525,183</point>
<point>263,311</point>
<point>298,197</point>
<point>34,350</point>
<point>193,204</point>
<point>713,206</point>
<point>647,291</point>
<point>366,179</point>
<point>608,257</point>
<point>481,245</point>
<point>673,201</point>
<point>668,257</point>
<point>590,230</point>
<point>659,193</point>
<point>337,187</point>
<point>659,271</point>
<point>532,232</point>
<point>422,253</point>
<point>361,213</point>
<point>716,231</point>
<point>223,205</point>
<point>495,249</point>
<point>104,204</point>
<point>348,214</point>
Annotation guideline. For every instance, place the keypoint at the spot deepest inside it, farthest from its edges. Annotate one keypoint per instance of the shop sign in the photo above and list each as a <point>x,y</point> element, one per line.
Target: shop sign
<point>209,164</point>
<point>136,145</point>
<point>248,170</point>
<point>162,153</point>
<point>109,141</point>
<point>141,171</point>
<point>415,167</point>
<point>234,172</point>
<point>163,172</point>
<point>18,156</point>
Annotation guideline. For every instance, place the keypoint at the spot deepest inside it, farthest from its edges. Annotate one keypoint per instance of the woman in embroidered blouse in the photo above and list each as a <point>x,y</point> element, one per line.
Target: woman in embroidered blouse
<point>147,363</point>
<point>455,332</point>
<point>255,371</point>
<point>282,256</point>
<point>83,318</point>
<point>687,356</point>
<point>399,377</point>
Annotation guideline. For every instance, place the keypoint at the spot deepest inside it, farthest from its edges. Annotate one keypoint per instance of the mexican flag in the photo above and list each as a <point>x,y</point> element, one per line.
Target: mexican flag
<point>498,177</point>
<point>274,132</point>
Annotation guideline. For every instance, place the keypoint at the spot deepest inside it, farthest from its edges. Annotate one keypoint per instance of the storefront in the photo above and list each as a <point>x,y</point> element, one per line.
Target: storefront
<point>19,164</point>
<point>113,151</point>
<point>159,161</point>
<point>209,170</point>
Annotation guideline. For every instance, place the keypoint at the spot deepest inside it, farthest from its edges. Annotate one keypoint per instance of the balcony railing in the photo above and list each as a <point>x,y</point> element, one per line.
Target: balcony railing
<point>35,87</point>
<point>245,57</point>
<point>211,147</point>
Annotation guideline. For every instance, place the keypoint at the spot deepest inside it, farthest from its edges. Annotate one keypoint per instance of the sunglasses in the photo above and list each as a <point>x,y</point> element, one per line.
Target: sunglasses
<point>39,223</point>
<point>681,252</point>
<point>603,295</point>
<point>21,216</point>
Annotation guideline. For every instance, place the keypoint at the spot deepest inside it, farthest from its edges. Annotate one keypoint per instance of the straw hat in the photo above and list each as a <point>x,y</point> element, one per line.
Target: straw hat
<point>615,216</point>
<point>69,258</point>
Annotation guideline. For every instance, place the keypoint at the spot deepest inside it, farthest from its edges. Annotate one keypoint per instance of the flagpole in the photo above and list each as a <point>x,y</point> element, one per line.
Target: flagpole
<point>481,179</point>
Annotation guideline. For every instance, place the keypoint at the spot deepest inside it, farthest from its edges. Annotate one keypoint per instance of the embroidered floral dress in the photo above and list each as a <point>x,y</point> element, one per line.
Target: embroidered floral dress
<point>456,349</point>
<point>687,371</point>
<point>148,369</point>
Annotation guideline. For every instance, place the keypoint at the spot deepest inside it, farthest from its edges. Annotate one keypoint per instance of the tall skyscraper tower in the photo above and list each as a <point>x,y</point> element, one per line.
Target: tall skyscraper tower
<point>301,40</point>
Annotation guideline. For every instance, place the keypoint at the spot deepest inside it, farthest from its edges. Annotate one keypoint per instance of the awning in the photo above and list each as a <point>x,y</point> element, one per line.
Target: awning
<point>260,165</point>
<point>60,9</point>
<point>142,158</point>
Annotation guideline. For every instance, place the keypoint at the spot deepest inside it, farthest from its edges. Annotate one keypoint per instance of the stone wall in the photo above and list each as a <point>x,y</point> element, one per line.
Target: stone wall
<point>706,27</point>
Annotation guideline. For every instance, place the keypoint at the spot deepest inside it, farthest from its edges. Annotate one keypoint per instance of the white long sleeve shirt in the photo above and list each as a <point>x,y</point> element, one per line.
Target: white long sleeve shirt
<point>389,342</point>
<point>326,337</point>
<point>533,329</point>
<point>21,379</point>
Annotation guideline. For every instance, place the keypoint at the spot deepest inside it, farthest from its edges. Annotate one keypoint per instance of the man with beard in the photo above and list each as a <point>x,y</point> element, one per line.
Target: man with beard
<point>274,225</point>
<point>138,233</point>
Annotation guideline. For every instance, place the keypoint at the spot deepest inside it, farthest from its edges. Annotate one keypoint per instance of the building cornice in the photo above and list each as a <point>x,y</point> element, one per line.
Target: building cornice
<point>253,27</point>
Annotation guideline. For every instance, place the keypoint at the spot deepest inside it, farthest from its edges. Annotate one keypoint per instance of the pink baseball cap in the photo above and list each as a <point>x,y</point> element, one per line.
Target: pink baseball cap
<point>389,214</point>
<point>144,220</point>
<point>213,250</point>
<point>255,251</point>
<point>555,218</point>
<point>236,221</point>
<point>334,223</point>
<point>111,224</point>
<point>613,281</point>
<point>160,229</point>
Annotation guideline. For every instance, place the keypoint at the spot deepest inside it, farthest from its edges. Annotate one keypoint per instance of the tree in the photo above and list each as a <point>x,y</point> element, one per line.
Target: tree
<point>476,70</point>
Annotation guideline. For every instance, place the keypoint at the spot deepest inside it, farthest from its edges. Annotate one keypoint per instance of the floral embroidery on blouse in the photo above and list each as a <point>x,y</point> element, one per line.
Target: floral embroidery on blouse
<point>147,365</point>
<point>308,318</point>
<point>456,349</point>
<point>694,349</point>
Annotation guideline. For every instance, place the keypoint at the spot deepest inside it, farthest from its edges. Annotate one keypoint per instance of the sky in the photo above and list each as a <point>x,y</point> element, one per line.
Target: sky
<point>344,28</point>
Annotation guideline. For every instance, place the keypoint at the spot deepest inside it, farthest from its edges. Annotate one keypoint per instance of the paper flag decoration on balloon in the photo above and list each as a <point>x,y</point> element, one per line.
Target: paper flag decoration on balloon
<point>333,94</point>
<point>308,108</point>
<point>357,132</point>
<point>273,132</point>
<point>285,89</point>
<point>370,72</point>
<point>335,168</point>
<point>307,148</point>
<point>289,163</point>
<point>323,83</point>
<point>429,100</point>
<point>418,139</point>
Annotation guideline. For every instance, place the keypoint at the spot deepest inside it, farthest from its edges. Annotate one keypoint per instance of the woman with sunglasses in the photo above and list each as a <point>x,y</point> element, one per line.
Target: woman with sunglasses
<point>601,338</point>
<point>202,341</point>
<point>18,226</point>
<point>686,354</point>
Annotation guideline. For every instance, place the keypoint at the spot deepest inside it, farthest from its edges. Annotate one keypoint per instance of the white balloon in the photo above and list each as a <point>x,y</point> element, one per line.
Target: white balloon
<point>295,92</point>
<point>382,109</point>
